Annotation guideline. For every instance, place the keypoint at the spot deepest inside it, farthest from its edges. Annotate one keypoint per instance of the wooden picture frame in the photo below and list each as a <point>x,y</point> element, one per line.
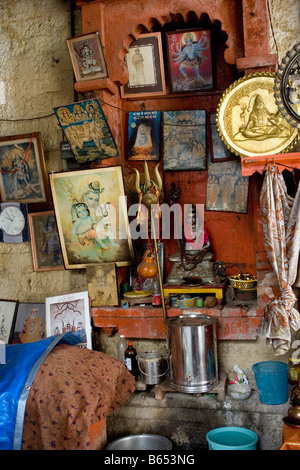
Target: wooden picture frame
<point>23,176</point>
<point>91,216</point>
<point>226,189</point>
<point>87,57</point>
<point>69,313</point>
<point>45,244</point>
<point>190,64</point>
<point>87,131</point>
<point>102,285</point>
<point>144,135</point>
<point>8,311</point>
<point>184,140</point>
<point>145,68</point>
<point>30,323</point>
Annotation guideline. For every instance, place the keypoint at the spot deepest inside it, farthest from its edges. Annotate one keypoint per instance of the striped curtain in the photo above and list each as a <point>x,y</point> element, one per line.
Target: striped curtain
<point>281,225</point>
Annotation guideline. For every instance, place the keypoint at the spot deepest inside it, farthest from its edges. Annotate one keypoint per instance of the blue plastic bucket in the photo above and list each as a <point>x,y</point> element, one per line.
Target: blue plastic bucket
<point>231,438</point>
<point>272,381</point>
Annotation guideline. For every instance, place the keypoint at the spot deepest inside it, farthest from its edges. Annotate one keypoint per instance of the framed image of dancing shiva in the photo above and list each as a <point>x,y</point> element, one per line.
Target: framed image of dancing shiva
<point>91,216</point>
<point>190,60</point>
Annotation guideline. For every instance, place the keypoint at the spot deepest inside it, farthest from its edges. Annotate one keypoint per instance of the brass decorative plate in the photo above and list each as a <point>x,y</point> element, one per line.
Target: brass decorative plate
<point>287,87</point>
<point>137,294</point>
<point>248,119</point>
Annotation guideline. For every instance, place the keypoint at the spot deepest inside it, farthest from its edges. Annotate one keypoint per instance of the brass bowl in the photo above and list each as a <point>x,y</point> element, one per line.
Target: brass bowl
<point>242,281</point>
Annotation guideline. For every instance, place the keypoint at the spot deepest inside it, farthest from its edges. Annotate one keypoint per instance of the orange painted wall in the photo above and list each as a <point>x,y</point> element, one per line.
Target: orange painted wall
<point>235,237</point>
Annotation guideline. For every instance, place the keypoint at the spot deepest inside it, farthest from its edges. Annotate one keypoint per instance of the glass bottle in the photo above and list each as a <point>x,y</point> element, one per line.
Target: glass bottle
<point>121,348</point>
<point>156,295</point>
<point>131,360</point>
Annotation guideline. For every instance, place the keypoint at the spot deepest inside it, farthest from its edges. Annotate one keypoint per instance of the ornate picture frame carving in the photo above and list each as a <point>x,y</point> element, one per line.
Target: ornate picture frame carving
<point>248,119</point>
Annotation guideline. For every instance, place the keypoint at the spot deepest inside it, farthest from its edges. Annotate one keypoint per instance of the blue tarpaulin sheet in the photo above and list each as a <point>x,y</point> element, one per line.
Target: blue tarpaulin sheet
<point>17,373</point>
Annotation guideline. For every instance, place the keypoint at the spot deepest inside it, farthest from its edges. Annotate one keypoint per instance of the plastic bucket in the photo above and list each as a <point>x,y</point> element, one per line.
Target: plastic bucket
<point>231,438</point>
<point>272,381</point>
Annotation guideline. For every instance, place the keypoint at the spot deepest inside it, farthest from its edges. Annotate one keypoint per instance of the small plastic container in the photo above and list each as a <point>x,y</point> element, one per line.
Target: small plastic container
<point>272,381</point>
<point>232,438</point>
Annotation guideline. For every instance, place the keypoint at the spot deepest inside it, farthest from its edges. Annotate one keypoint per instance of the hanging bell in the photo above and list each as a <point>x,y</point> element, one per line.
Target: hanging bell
<point>147,267</point>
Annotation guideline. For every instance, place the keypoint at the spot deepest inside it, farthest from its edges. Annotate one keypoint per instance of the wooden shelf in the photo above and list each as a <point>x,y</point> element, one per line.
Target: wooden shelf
<point>284,160</point>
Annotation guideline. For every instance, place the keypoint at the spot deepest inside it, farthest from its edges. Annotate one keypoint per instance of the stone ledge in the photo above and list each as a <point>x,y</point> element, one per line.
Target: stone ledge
<point>236,321</point>
<point>186,418</point>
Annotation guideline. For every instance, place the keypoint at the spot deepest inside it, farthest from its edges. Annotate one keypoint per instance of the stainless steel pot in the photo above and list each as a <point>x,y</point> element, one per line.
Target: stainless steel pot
<point>193,353</point>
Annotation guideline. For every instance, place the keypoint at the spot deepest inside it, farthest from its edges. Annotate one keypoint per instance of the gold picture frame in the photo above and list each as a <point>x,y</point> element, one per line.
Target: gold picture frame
<point>248,119</point>
<point>91,216</point>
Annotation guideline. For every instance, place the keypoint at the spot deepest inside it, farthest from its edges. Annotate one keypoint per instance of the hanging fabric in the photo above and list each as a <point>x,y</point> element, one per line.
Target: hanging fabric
<point>280,218</point>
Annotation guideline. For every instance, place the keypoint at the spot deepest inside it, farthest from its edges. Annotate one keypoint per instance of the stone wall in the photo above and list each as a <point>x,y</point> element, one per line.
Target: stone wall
<point>35,76</point>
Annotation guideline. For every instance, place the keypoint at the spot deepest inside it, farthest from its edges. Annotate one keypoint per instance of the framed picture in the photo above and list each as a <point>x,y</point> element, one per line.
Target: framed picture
<point>144,133</point>
<point>30,323</point>
<point>219,152</point>
<point>190,60</point>
<point>86,129</point>
<point>91,216</point>
<point>102,285</point>
<point>69,313</point>
<point>23,176</point>
<point>8,311</point>
<point>87,57</point>
<point>145,68</point>
<point>248,119</point>
<point>184,140</point>
<point>227,189</point>
<point>45,244</point>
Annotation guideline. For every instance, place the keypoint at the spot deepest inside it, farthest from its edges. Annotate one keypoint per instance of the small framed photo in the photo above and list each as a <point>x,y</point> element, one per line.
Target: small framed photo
<point>45,244</point>
<point>91,216</point>
<point>102,285</point>
<point>145,68</point>
<point>190,60</point>
<point>8,311</point>
<point>87,57</point>
<point>30,323</point>
<point>219,151</point>
<point>184,140</point>
<point>144,135</point>
<point>69,313</point>
<point>23,176</point>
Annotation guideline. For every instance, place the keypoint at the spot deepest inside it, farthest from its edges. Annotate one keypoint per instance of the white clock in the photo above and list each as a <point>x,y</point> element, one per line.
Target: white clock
<point>13,223</point>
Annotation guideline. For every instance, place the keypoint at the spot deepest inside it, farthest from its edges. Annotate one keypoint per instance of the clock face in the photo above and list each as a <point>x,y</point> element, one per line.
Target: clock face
<point>12,220</point>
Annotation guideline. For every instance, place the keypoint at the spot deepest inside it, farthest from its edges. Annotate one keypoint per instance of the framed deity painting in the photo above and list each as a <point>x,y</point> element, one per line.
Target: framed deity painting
<point>87,131</point>
<point>184,140</point>
<point>45,244</point>
<point>87,57</point>
<point>144,135</point>
<point>69,313</point>
<point>91,216</point>
<point>227,189</point>
<point>102,285</point>
<point>145,66</point>
<point>190,60</point>
<point>8,311</point>
<point>30,323</point>
<point>23,176</point>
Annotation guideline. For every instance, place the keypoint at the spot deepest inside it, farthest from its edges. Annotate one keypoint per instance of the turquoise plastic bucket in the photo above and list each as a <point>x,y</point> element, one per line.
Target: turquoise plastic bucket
<point>231,438</point>
<point>272,381</point>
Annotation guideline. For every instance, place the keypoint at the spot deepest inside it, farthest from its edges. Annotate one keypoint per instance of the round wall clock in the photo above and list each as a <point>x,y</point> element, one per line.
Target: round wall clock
<point>287,87</point>
<point>248,119</point>
<point>13,222</point>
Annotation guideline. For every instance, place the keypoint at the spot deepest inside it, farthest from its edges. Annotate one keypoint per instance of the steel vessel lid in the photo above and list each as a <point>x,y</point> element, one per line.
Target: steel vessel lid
<point>191,320</point>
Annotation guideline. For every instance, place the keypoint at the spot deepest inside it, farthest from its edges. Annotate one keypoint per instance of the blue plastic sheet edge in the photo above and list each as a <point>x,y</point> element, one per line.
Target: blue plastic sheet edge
<point>16,378</point>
